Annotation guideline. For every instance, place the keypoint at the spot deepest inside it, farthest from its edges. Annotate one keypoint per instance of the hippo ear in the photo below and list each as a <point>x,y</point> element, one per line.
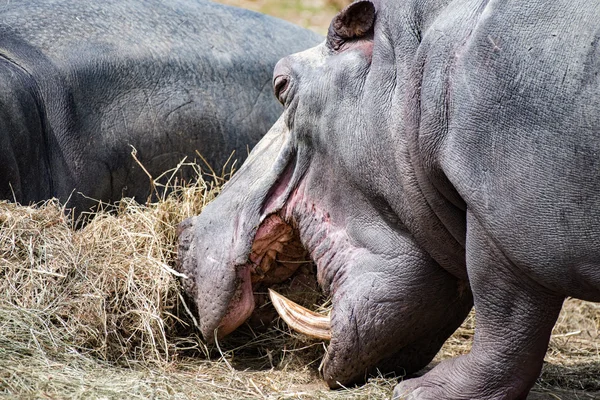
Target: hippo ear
<point>353,22</point>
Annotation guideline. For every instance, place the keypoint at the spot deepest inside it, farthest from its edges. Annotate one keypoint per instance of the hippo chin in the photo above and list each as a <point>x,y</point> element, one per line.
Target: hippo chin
<point>431,155</point>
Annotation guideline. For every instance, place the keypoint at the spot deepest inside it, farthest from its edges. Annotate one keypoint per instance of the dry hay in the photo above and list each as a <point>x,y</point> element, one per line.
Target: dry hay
<point>98,313</point>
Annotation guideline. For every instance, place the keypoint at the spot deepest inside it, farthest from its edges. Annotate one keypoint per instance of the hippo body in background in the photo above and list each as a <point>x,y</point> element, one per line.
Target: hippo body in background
<point>83,81</point>
<point>431,154</point>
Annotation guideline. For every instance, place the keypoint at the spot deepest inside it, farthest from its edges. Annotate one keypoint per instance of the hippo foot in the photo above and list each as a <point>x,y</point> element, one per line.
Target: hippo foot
<point>460,378</point>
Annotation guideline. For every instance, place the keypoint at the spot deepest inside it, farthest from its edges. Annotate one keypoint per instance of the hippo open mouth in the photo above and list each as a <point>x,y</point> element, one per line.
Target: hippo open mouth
<point>228,278</point>
<point>277,258</point>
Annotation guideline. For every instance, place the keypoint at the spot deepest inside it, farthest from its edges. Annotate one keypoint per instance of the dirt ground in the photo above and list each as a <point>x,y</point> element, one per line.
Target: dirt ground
<point>311,14</point>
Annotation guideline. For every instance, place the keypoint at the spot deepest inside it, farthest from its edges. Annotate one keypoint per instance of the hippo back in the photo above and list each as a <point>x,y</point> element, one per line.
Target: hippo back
<point>85,82</point>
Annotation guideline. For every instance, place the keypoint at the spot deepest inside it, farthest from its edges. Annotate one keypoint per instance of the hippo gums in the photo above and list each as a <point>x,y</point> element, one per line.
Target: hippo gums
<point>431,155</point>
<point>81,82</point>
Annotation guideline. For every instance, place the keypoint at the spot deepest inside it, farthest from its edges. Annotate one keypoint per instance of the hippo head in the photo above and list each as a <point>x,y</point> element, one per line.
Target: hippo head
<point>318,184</point>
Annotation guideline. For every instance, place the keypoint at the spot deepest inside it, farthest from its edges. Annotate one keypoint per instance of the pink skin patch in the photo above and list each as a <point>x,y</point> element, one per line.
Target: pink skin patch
<point>365,46</point>
<point>241,306</point>
<point>275,251</point>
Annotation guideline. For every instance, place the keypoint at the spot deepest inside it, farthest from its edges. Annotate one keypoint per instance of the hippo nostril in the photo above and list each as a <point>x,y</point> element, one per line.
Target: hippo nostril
<point>280,85</point>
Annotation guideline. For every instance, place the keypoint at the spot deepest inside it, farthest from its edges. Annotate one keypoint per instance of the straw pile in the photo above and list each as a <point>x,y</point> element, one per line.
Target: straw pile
<point>98,313</point>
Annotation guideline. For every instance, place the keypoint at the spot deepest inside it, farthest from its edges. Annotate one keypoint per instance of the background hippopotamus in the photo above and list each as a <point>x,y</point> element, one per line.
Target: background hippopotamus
<point>83,81</point>
<point>430,155</point>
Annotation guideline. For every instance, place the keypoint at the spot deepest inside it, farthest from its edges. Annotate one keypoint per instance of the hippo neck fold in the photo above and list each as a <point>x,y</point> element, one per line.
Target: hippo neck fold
<point>327,244</point>
<point>422,197</point>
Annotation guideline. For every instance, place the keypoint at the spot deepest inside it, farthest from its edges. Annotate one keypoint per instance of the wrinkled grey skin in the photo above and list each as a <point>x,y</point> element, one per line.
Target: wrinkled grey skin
<point>82,81</point>
<point>455,145</point>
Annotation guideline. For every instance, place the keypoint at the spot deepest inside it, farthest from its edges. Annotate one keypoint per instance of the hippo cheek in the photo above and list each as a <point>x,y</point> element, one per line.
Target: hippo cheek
<point>393,306</point>
<point>378,327</point>
<point>377,324</point>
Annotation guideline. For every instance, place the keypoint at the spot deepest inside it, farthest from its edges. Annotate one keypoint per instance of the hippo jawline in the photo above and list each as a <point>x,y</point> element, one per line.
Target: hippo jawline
<point>276,256</point>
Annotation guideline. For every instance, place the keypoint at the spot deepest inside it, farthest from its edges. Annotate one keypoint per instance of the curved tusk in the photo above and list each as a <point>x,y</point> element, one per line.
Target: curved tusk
<point>300,319</point>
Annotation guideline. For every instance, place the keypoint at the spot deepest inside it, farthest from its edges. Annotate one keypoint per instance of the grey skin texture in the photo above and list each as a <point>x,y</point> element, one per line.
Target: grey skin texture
<point>431,154</point>
<point>83,81</point>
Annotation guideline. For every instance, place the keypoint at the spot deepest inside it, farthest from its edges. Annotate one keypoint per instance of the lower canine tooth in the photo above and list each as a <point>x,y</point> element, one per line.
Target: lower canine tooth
<point>300,319</point>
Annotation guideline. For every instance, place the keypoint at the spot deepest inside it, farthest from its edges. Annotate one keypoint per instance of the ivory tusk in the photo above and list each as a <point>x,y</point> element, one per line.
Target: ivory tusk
<point>300,319</point>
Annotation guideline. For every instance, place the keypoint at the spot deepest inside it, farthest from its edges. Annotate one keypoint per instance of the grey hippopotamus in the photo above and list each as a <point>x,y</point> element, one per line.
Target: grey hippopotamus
<point>82,82</point>
<point>431,155</point>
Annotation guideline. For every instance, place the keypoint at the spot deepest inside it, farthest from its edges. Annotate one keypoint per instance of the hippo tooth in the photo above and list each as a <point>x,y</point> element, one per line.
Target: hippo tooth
<point>301,319</point>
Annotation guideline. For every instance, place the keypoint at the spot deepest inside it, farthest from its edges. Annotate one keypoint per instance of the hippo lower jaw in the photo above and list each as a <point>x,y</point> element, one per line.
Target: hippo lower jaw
<point>242,304</point>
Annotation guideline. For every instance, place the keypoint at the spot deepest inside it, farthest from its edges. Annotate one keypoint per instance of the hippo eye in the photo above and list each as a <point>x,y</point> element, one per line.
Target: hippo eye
<point>280,85</point>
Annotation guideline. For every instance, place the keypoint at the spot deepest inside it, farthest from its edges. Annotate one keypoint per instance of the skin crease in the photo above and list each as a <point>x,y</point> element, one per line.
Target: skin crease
<point>454,141</point>
<point>82,82</point>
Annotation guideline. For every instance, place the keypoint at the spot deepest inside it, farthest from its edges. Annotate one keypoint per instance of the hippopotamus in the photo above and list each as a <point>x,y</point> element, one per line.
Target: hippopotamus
<point>431,155</point>
<point>85,83</point>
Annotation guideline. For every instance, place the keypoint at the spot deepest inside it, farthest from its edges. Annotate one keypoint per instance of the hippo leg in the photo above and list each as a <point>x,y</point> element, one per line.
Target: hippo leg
<point>515,316</point>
